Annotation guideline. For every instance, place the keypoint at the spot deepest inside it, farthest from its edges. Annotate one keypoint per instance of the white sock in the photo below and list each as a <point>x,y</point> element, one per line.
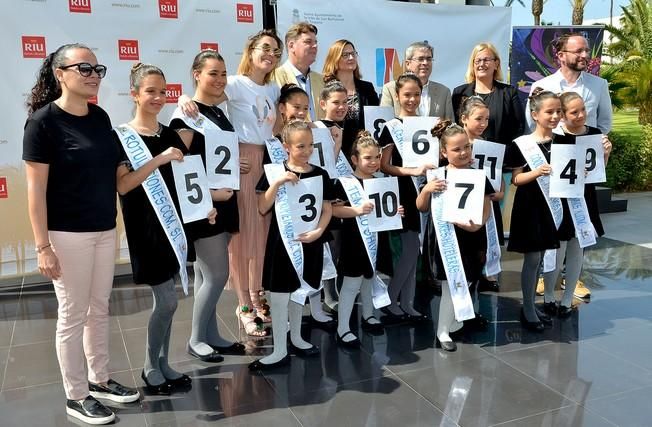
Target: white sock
<point>367,301</point>
<point>279,305</point>
<point>446,313</point>
<point>316,309</point>
<point>296,313</point>
<point>348,294</point>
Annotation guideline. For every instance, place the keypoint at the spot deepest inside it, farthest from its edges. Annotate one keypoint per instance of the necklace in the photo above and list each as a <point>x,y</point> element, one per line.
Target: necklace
<point>145,131</point>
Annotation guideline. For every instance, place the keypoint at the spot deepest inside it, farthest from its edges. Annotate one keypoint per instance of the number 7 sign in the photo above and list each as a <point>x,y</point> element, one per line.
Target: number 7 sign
<point>464,196</point>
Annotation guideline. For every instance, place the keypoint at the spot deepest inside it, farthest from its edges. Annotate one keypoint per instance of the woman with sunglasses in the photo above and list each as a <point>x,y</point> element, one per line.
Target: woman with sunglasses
<point>252,98</point>
<point>71,160</point>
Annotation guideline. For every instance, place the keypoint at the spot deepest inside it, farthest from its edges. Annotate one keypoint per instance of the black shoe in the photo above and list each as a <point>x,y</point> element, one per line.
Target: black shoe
<point>531,326</point>
<point>564,312</point>
<point>161,389</point>
<point>304,352</point>
<point>415,318</point>
<point>114,392</point>
<point>257,365</point>
<point>479,323</point>
<point>235,349</point>
<point>330,310</point>
<point>372,328</point>
<point>89,411</point>
<point>543,317</point>
<point>213,357</point>
<point>488,285</point>
<point>328,326</point>
<point>348,344</point>
<point>391,319</point>
<point>445,345</point>
<point>550,308</point>
<point>183,382</point>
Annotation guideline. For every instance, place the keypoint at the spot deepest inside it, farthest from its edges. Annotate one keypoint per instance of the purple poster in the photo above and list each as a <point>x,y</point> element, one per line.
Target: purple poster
<point>533,56</point>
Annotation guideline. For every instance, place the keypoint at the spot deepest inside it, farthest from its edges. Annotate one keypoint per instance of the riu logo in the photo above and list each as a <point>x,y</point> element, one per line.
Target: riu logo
<point>172,93</point>
<point>388,65</point>
<point>245,13</point>
<point>79,6</point>
<point>208,45</point>
<point>168,9</point>
<point>128,50</point>
<point>33,46</point>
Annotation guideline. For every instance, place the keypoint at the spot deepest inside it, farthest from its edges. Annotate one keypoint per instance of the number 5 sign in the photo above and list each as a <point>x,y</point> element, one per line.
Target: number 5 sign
<point>567,176</point>
<point>305,199</point>
<point>419,146</point>
<point>464,196</point>
<point>192,188</point>
<point>375,118</point>
<point>222,159</point>
<point>383,192</point>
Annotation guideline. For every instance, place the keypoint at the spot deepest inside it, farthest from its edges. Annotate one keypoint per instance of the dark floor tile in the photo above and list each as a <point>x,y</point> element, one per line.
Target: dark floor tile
<point>136,340</point>
<point>630,409</point>
<point>633,345</point>
<point>483,392</point>
<point>569,416</point>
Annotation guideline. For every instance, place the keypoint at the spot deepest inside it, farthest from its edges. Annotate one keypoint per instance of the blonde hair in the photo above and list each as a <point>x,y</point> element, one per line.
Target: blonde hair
<point>295,31</point>
<point>245,68</point>
<point>293,127</point>
<point>333,58</point>
<point>470,70</point>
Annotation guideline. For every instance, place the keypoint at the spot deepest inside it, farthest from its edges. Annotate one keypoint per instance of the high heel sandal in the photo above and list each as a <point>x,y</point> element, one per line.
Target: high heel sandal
<point>253,325</point>
<point>261,308</point>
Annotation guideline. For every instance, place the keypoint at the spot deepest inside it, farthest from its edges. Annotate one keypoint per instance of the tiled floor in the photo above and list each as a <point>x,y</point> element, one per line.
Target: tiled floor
<point>594,369</point>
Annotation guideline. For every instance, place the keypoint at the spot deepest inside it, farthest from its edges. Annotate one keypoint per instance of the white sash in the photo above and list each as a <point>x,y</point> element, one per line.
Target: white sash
<point>342,166</point>
<point>293,247</point>
<point>356,195</point>
<point>584,230</point>
<point>158,195</point>
<point>492,265</point>
<point>535,158</point>
<point>451,257</point>
<point>278,155</point>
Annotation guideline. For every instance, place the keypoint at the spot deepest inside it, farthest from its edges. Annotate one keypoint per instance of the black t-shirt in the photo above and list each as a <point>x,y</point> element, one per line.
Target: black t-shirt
<point>227,211</point>
<point>82,158</point>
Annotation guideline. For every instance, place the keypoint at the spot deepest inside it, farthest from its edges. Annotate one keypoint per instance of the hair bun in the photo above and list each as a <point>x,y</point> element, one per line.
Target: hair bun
<point>438,130</point>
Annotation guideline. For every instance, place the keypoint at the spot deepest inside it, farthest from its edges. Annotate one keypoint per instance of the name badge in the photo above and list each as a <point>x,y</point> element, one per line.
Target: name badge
<point>375,119</point>
<point>383,192</point>
<point>222,159</point>
<point>567,176</point>
<point>489,156</point>
<point>305,200</point>
<point>192,188</point>
<point>419,146</point>
<point>464,196</point>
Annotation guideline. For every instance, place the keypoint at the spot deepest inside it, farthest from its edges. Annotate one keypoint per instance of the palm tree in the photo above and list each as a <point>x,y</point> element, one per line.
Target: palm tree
<point>633,46</point>
<point>578,11</point>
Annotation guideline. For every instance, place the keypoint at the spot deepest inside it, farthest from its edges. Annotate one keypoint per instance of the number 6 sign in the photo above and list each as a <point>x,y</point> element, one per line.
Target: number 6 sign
<point>192,188</point>
<point>419,146</point>
<point>464,196</point>
<point>383,192</point>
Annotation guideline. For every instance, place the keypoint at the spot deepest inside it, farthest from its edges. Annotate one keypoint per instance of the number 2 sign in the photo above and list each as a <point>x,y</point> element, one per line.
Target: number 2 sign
<point>222,159</point>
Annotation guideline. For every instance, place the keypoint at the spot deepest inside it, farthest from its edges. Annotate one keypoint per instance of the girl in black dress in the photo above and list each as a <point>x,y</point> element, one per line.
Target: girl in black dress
<point>471,238</point>
<point>533,229</point>
<point>404,280</point>
<point>153,260</point>
<point>279,275</point>
<point>574,124</point>
<point>211,241</point>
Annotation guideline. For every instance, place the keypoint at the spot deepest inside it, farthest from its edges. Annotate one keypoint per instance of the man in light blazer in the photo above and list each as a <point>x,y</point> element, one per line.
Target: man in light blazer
<point>573,53</point>
<point>435,97</point>
<point>301,45</point>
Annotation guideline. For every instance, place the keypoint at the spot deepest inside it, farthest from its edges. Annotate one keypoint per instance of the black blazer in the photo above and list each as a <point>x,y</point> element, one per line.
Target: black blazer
<point>367,96</point>
<point>506,114</point>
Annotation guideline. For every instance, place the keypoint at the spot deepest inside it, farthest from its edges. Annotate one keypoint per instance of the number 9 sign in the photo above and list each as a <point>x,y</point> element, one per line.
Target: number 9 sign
<point>191,184</point>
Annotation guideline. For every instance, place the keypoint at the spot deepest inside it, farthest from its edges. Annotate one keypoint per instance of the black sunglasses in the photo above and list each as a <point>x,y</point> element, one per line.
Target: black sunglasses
<point>85,69</point>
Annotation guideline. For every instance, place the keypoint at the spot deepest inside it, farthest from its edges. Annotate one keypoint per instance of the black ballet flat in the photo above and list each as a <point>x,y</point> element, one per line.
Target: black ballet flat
<point>181,383</point>
<point>449,346</point>
<point>412,318</point>
<point>257,365</point>
<point>543,317</point>
<point>391,319</point>
<point>348,344</point>
<point>488,285</point>
<point>372,328</point>
<point>213,357</point>
<point>565,312</point>
<point>235,349</point>
<point>164,389</point>
<point>303,352</point>
<point>531,326</point>
<point>550,308</point>
<point>479,322</point>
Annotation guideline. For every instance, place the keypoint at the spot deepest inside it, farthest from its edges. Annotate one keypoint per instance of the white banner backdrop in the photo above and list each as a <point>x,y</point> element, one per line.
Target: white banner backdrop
<point>167,33</point>
<point>381,30</point>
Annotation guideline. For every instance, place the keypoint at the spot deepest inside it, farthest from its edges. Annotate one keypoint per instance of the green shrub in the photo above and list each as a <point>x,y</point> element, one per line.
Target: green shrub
<point>630,163</point>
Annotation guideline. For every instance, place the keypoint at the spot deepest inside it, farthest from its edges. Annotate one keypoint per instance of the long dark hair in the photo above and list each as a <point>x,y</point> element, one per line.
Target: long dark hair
<point>47,87</point>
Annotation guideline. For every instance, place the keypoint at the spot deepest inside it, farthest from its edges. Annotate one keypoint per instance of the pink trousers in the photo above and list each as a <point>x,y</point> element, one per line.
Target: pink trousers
<point>87,264</point>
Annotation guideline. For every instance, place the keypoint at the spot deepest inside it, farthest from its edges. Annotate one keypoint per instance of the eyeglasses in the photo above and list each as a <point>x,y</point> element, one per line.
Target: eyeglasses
<point>579,51</point>
<point>479,61</point>
<point>85,69</point>
<point>267,49</point>
<point>422,59</point>
<point>351,55</point>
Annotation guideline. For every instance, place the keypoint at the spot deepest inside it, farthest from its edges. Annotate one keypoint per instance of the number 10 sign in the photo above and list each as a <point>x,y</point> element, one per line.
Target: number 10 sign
<point>383,192</point>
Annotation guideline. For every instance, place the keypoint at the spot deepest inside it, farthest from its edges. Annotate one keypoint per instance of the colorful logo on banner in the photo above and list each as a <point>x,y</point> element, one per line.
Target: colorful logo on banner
<point>172,92</point>
<point>33,46</point>
<point>168,9</point>
<point>128,50</point>
<point>3,187</point>
<point>207,45</point>
<point>79,6</point>
<point>245,13</point>
<point>388,65</point>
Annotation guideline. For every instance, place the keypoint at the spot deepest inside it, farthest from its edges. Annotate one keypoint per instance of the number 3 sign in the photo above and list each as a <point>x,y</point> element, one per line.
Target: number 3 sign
<point>192,188</point>
<point>464,196</point>
<point>305,199</point>
<point>419,146</point>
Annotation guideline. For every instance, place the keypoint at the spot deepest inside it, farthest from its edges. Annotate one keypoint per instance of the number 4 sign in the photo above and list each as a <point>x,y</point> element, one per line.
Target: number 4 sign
<point>419,146</point>
<point>464,196</point>
<point>567,176</point>
<point>192,188</point>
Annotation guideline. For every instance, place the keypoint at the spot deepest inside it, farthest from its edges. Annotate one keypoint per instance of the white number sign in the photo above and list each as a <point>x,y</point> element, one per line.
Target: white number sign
<point>567,176</point>
<point>222,159</point>
<point>464,196</point>
<point>419,146</point>
<point>305,199</point>
<point>192,188</point>
<point>375,118</point>
<point>489,156</point>
<point>383,192</point>
<point>323,154</point>
<point>594,166</point>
